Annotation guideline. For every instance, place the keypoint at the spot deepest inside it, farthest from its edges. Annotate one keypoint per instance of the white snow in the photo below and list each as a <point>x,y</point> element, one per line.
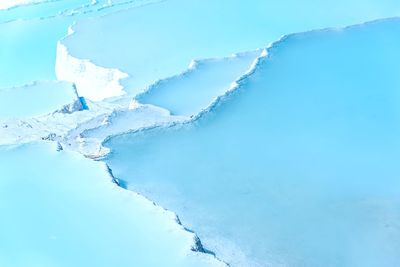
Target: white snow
<point>93,82</point>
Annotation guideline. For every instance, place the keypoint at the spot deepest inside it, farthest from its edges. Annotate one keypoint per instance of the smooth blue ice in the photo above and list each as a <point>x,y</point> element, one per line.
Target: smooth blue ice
<point>36,99</point>
<point>190,92</point>
<point>159,40</point>
<point>299,166</point>
<point>59,209</point>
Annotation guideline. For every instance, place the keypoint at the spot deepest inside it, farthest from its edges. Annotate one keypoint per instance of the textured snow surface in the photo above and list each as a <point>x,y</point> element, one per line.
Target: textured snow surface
<point>299,166</point>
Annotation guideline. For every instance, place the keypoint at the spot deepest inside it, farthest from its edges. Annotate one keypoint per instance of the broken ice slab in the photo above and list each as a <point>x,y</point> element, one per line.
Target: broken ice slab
<point>299,166</point>
<point>85,132</point>
<point>61,209</point>
<point>189,93</point>
<point>28,47</point>
<point>37,99</point>
<point>159,40</point>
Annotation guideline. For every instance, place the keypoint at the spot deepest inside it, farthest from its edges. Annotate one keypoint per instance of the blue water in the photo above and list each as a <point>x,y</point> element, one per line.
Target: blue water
<point>298,167</point>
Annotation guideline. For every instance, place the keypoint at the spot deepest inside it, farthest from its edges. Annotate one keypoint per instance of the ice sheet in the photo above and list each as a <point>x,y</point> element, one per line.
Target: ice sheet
<point>60,209</point>
<point>299,167</point>
<point>28,44</point>
<point>159,40</point>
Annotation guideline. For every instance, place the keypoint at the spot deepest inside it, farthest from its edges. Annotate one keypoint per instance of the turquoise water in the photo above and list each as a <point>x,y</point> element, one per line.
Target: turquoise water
<point>299,166</point>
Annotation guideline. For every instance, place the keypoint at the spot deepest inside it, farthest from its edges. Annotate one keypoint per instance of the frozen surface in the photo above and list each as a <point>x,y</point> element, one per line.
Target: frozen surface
<point>61,209</point>
<point>189,93</point>
<point>92,81</point>
<point>28,50</point>
<point>299,166</point>
<point>56,8</point>
<point>6,4</point>
<point>123,121</point>
<point>28,46</point>
<point>159,40</point>
<point>44,9</point>
<point>296,168</point>
<point>36,99</point>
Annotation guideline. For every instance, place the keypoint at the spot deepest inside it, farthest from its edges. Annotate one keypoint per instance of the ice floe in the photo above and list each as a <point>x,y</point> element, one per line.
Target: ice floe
<point>298,166</point>
<point>60,209</point>
<point>28,46</point>
<point>277,173</point>
<point>159,40</point>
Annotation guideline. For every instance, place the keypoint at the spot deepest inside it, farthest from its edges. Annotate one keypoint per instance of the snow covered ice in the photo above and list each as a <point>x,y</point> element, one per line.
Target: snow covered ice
<point>199,133</point>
